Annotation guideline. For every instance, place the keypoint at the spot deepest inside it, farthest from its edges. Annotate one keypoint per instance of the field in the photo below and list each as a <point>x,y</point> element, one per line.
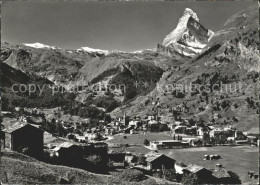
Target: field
<point>138,139</point>
<point>238,159</point>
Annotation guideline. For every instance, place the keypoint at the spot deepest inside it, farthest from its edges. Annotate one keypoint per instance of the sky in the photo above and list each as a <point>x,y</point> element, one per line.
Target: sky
<point>125,26</point>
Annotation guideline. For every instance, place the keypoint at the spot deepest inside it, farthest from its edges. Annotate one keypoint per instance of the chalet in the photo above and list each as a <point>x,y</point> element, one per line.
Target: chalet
<point>117,155</point>
<point>156,145</point>
<point>191,131</point>
<point>110,131</point>
<point>23,138</point>
<point>170,126</point>
<point>92,136</point>
<point>153,125</point>
<point>157,161</point>
<point>224,132</point>
<point>194,141</point>
<point>201,131</point>
<point>81,139</point>
<point>66,150</point>
<point>180,129</point>
<point>135,123</point>
<point>221,175</point>
<point>204,175</point>
<point>151,117</point>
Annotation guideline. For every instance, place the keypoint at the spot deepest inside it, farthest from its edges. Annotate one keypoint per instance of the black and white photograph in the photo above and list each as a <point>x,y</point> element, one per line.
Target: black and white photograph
<point>129,92</point>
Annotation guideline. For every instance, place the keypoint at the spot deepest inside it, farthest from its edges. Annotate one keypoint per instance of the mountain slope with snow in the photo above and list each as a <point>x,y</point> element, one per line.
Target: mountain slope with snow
<point>189,37</point>
<point>92,50</point>
<point>40,45</point>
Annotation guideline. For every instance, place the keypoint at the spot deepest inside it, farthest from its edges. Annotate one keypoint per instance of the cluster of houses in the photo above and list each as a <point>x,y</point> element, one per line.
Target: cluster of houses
<point>29,139</point>
<point>194,134</point>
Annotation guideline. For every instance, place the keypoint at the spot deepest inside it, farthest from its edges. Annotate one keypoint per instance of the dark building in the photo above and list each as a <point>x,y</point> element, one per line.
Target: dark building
<point>222,176</point>
<point>159,161</point>
<point>204,175</point>
<point>23,138</point>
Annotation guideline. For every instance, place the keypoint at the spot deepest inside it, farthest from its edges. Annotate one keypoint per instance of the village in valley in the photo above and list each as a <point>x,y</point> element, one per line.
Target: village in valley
<point>125,142</point>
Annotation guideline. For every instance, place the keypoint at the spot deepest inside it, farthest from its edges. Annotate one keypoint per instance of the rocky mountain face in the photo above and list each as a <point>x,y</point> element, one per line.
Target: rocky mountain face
<point>230,59</point>
<point>87,67</point>
<point>189,37</point>
<point>21,89</point>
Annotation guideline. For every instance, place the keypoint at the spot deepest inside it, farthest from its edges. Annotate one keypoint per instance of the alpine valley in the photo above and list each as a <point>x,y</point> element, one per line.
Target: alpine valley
<point>190,54</point>
<point>183,112</point>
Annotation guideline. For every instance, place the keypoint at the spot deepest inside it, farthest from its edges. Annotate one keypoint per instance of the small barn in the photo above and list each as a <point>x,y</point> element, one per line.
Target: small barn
<point>67,150</point>
<point>157,161</point>
<point>23,138</point>
<point>204,175</point>
<point>222,176</point>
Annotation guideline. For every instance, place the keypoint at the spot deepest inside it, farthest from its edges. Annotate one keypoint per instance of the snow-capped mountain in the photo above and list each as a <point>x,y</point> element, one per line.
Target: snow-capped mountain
<point>40,45</point>
<point>92,50</point>
<point>189,37</point>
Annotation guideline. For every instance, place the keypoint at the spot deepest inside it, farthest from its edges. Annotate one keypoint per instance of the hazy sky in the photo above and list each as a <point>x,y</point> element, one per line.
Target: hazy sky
<point>124,26</point>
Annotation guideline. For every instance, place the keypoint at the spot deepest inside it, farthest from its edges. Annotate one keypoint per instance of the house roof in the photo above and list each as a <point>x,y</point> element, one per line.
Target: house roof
<point>221,173</point>
<point>13,127</point>
<point>63,145</point>
<point>169,141</point>
<point>151,156</point>
<point>191,139</point>
<point>153,122</point>
<point>16,126</point>
<point>194,168</point>
<point>116,150</point>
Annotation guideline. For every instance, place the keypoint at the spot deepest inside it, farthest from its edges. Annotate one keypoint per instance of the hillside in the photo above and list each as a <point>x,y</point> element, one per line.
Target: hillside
<point>18,168</point>
<point>231,58</point>
<point>57,65</point>
<point>70,68</point>
<point>34,90</point>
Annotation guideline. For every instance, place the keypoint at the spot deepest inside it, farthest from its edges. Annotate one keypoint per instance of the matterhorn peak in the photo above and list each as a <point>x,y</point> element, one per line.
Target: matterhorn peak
<point>189,37</point>
<point>190,13</point>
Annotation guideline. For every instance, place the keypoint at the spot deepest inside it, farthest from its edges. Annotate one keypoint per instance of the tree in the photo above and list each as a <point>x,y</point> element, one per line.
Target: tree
<point>146,142</point>
<point>190,179</point>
